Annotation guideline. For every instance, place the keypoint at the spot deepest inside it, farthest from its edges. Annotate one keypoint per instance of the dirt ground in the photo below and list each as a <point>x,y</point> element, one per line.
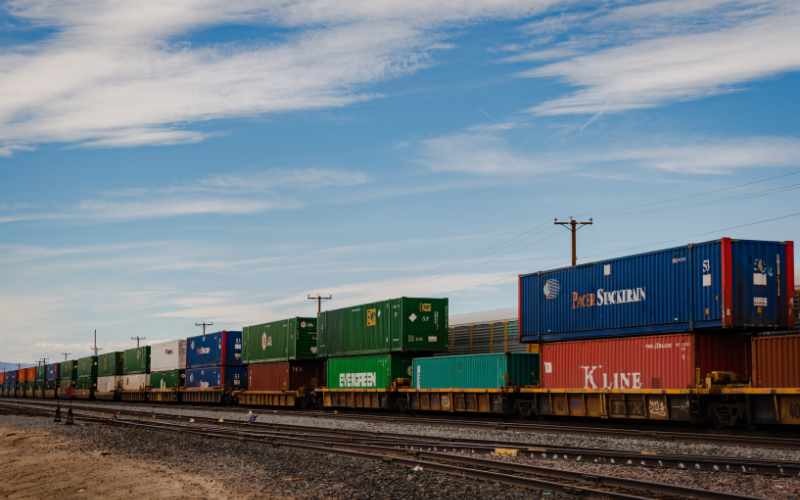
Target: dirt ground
<point>36,464</point>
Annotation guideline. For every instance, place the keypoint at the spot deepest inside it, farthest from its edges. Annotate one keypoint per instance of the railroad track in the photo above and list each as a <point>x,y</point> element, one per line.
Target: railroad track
<point>415,443</point>
<point>532,477</point>
<point>762,440</point>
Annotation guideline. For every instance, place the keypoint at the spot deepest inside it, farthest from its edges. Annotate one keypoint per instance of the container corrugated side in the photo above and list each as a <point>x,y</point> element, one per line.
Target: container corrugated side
<point>724,283</point>
<point>170,379</point>
<point>22,375</point>
<point>52,371</point>
<point>476,371</point>
<point>65,383</point>
<point>214,349</point>
<point>485,338</point>
<point>41,372</point>
<point>85,383</point>
<point>39,385</point>
<point>30,374</point>
<point>110,363</point>
<point>166,356</point>
<point>284,376</point>
<point>135,381</point>
<point>68,369</point>
<point>406,324</point>
<point>368,372</point>
<point>111,383</point>
<point>775,362</point>
<point>136,360</point>
<point>87,367</point>
<point>650,362</point>
<point>230,377</point>
<point>284,340</point>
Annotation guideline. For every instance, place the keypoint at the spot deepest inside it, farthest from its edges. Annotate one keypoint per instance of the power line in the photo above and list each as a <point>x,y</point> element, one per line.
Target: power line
<point>137,339</point>
<point>204,325</point>
<point>319,298</point>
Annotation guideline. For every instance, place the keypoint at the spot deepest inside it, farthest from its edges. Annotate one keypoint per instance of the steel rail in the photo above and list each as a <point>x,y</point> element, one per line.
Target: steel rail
<point>597,481</point>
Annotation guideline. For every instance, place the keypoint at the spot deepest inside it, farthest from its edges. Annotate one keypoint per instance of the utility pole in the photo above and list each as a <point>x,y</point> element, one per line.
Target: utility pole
<point>574,228</point>
<point>319,298</point>
<point>43,361</point>
<point>95,348</point>
<point>137,339</point>
<point>204,325</point>
<point>66,354</point>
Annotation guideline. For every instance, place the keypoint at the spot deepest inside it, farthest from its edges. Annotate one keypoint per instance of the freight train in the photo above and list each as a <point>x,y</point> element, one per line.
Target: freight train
<point>703,333</point>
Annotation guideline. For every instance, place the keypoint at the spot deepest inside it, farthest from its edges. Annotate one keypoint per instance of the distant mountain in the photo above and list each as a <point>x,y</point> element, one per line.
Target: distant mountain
<point>13,366</point>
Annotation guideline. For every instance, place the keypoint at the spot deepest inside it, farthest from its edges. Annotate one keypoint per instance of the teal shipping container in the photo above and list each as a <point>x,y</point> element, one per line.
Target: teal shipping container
<point>397,325</point>
<point>285,340</point>
<point>476,371</point>
<point>368,372</point>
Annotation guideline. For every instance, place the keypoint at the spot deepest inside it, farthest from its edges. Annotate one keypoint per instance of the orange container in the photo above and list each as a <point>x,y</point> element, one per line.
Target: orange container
<point>775,362</point>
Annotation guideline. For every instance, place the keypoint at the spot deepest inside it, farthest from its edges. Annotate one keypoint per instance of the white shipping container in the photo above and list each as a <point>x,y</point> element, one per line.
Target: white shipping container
<point>108,384</point>
<point>168,356</point>
<point>135,382</point>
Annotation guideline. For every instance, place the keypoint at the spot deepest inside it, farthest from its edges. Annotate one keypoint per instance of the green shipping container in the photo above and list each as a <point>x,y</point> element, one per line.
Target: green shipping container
<point>285,340</point>
<point>368,372</point>
<point>38,385</point>
<point>87,383</point>
<point>23,386</point>
<point>397,325</point>
<point>110,363</point>
<point>136,360</point>
<point>68,369</point>
<point>41,372</point>
<point>476,371</point>
<point>168,380</point>
<point>87,367</point>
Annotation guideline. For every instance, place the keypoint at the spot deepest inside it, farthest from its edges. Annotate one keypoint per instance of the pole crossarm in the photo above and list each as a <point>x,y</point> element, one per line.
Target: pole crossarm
<point>574,226</point>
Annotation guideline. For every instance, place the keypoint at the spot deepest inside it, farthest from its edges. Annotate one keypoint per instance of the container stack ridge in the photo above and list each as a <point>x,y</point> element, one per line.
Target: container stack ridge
<point>484,332</point>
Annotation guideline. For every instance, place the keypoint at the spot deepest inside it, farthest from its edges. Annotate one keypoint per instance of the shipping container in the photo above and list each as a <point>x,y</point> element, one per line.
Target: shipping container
<point>52,372</point>
<point>41,372</point>
<point>775,362</point>
<point>135,381</point>
<point>110,363</point>
<point>397,325</point>
<point>2,377</point>
<point>214,349</point>
<point>285,340</point>
<point>285,376</point>
<point>65,384</point>
<point>230,377</point>
<point>50,385</point>
<point>485,332</point>
<point>109,384</point>
<point>22,375</point>
<point>168,356</point>
<point>14,374</point>
<point>731,284</point>
<point>39,385</point>
<point>368,372</point>
<point>86,383</point>
<point>87,367</point>
<point>30,374</point>
<point>68,369</point>
<point>171,379</point>
<point>650,362</point>
<point>136,360</point>
<point>476,371</point>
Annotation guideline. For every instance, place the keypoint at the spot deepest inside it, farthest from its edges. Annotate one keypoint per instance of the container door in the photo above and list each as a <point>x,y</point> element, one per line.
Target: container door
<point>759,290</point>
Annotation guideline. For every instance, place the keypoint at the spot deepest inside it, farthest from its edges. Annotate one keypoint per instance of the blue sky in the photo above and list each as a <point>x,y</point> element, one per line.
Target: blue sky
<point>166,164</point>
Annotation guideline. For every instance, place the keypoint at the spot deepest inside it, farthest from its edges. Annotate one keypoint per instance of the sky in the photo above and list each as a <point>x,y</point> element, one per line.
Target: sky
<point>169,163</point>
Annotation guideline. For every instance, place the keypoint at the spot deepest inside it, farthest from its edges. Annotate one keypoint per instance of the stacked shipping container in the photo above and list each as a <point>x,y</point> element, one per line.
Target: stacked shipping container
<point>282,356</point>
<point>38,385</point>
<point>68,379</point>
<point>109,370</point>
<point>167,368</point>
<point>215,361</point>
<point>136,370</point>
<point>87,377</point>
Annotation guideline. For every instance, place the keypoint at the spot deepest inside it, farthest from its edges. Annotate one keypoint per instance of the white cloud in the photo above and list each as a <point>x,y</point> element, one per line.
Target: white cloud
<point>690,62</point>
<point>299,179</point>
<point>121,74</point>
<point>100,209</point>
<point>478,153</point>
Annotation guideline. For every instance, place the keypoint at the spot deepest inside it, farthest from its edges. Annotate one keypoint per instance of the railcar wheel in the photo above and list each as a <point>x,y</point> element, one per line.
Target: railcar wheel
<point>715,421</point>
<point>402,405</point>
<point>751,427</point>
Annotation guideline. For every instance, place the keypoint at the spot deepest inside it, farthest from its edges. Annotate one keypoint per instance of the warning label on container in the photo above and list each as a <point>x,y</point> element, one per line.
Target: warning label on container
<point>760,301</point>
<point>371,317</point>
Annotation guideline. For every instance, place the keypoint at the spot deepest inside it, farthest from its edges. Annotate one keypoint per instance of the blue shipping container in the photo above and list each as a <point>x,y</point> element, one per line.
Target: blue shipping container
<point>214,349</point>
<point>736,284</point>
<point>232,377</point>
<point>12,376</point>
<point>52,371</point>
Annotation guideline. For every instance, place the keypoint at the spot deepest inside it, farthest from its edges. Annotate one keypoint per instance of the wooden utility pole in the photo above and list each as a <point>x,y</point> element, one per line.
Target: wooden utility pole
<point>66,354</point>
<point>43,361</point>
<point>95,348</point>
<point>137,339</point>
<point>204,325</point>
<point>574,228</point>
<point>319,298</point>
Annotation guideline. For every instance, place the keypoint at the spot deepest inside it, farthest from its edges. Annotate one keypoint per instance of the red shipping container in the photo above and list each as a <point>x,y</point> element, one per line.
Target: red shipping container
<point>22,375</point>
<point>285,376</point>
<point>31,374</point>
<point>775,363</point>
<point>651,362</point>
<point>2,377</point>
